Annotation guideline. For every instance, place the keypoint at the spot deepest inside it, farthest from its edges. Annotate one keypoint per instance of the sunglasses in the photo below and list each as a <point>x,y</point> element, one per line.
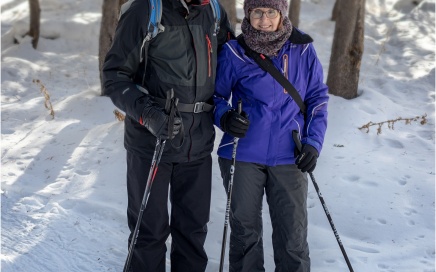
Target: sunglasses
<point>270,14</point>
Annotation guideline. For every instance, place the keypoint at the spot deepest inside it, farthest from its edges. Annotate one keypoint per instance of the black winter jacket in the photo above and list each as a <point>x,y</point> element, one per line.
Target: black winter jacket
<point>183,58</point>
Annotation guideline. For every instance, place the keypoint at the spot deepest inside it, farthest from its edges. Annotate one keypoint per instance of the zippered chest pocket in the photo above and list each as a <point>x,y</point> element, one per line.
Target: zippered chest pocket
<point>212,47</point>
<point>209,55</point>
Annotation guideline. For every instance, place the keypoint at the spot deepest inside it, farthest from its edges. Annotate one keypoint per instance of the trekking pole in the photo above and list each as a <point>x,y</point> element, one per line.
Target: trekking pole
<point>229,194</point>
<point>321,198</point>
<point>158,150</point>
<point>152,173</point>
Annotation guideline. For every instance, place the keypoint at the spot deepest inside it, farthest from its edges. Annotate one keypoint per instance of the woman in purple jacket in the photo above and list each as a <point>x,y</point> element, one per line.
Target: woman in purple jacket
<point>266,159</point>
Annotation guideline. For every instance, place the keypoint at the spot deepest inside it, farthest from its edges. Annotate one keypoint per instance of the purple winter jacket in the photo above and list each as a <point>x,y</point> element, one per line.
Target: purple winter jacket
<point>273,114</point>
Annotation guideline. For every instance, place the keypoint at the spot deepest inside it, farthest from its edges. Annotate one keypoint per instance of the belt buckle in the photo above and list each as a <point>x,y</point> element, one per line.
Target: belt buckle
<point>198,107</point>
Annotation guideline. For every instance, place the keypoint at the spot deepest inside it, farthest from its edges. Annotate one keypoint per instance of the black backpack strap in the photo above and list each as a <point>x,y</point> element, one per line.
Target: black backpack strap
<point>267,65</point>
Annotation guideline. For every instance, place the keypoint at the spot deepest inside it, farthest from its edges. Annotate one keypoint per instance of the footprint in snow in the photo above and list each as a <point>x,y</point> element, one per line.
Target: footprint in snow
<point>83,173</point>
<point>402,182</point>
<point>371,183</point>
<point>410,212</point>
<point>382,221</point>
<point>365,249</point>
<point>383,266</point>
<point>368,109</point>
<point>311,205</point>
<point>351,178</point>
<point>394,143</point>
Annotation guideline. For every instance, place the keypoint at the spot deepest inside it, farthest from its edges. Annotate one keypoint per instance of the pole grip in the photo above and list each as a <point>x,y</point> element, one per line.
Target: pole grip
<point>297,141</point>
<point>170,96</point>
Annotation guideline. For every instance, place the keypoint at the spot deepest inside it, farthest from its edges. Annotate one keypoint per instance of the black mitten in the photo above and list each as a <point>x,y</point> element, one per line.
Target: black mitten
<point>234,123</point>
<point>306,161</point>
<point>157,121</point>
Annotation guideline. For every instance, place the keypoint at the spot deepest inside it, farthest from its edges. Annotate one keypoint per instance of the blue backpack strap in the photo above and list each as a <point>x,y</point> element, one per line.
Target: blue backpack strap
<point>216,13</point>
<point>154,25</point>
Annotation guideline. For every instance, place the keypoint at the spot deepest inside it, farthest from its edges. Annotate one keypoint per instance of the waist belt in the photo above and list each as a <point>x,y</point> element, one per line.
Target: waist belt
<point>182,107</point>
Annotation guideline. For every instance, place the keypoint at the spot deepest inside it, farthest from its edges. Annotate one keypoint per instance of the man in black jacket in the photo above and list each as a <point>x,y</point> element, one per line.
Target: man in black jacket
<point>136,76</point>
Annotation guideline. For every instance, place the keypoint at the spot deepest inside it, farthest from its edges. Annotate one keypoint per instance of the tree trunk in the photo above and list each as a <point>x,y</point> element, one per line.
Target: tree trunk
<point>294,12</point>
<point>230,8</point>
<point>35,15</point>
<point>347,50</point>
<point>335,12</point>
<point>109,21</point>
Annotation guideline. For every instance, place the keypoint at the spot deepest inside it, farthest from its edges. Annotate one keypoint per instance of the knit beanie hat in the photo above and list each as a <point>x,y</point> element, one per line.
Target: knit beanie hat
<point>265,42</point>
<point>280,5</point>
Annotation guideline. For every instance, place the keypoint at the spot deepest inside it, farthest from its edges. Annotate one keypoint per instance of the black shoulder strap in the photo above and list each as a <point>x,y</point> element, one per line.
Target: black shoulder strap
<point>266,64</point>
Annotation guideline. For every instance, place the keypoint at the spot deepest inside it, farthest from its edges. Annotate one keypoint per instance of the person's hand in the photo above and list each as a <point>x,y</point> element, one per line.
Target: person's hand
<point>159,123</point>
<point>234,123</point>
<point>306,161</point>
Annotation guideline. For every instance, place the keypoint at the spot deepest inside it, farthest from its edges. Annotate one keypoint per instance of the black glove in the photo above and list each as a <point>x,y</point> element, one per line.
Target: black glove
<point>306,161</point>
<point>234,123</point>
<point>158,122</point>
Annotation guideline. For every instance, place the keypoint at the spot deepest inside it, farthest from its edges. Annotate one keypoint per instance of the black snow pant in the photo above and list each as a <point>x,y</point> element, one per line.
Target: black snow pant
<point>190,195</point>
<point>286,193</point>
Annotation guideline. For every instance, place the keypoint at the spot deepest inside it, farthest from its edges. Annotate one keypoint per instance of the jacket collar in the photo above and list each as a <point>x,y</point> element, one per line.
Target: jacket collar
<point>298,37</point>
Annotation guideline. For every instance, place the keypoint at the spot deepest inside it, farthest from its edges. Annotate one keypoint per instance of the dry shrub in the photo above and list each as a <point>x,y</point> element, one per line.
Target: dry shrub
<point>47,102</point>
<point>390,123</point>
<point>119,115</point>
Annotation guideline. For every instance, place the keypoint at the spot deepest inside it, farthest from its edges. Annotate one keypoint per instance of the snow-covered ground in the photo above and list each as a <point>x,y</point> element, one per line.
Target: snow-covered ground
<point>63,195</point>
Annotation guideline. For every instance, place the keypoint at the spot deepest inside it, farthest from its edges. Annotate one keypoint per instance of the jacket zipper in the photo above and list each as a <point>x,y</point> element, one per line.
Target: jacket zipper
<point>285,68</point>
<point>209,53</point>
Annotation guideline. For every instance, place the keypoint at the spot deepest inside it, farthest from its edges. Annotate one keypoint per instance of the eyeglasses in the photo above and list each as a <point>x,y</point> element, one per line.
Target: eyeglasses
<point>270,14</point>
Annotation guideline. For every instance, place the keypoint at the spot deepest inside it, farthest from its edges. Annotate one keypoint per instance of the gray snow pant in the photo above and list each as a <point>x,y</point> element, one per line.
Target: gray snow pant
<point>286,194</point>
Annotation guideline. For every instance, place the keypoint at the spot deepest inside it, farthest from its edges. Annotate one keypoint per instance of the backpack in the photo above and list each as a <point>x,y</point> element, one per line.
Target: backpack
<point>154,25</point>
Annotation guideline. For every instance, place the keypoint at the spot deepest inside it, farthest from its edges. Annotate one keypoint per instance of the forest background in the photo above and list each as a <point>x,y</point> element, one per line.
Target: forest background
<point>63,195</point>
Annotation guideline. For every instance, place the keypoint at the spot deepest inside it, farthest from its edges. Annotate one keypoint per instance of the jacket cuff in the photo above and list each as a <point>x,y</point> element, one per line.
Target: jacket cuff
<point>313,143</point>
